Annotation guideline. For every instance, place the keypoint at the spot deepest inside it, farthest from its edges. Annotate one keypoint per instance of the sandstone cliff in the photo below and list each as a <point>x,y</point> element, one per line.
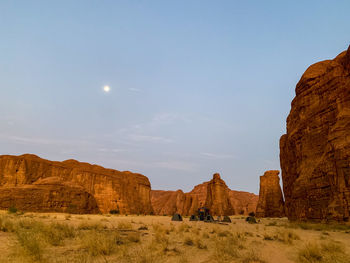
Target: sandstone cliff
<point>34,184</point>
<point>243,202</point>
<point>315,152</point>
<point>271,202</point>
<point>214,195</point>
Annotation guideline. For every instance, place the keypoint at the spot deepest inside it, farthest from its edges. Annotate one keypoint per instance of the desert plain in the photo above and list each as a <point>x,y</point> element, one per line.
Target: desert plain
<point>58,237</point>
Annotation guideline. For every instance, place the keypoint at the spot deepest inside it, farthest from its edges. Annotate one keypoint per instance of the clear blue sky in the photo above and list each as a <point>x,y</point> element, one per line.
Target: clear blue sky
<point>197,87</point>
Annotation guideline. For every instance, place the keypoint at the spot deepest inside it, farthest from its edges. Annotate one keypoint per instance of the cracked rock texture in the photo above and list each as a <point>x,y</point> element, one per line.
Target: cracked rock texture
<point>34,184</point>
<point>315,151</point>
<point>270,202</point>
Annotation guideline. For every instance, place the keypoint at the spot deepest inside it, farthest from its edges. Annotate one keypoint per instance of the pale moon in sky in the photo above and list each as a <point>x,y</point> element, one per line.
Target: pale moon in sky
<point>106,89</point>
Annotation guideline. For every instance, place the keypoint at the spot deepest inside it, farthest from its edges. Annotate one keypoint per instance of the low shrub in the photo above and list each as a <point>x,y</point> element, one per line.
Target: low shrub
<point>12,210</point>
<point>200,244</point>
<point>251,220</point>
<point>252,214</point>
<point>188,241</point>
<point>114,212</point>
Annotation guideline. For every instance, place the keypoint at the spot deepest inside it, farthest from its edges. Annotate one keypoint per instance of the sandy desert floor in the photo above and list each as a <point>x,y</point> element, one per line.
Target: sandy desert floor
<point>53,237</point>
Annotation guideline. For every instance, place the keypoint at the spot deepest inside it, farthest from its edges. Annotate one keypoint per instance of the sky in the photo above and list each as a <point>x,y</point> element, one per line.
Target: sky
<point>196,87</point>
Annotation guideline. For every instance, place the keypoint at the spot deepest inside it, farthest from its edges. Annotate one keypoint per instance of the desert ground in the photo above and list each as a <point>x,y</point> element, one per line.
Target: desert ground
<point>54,237</point>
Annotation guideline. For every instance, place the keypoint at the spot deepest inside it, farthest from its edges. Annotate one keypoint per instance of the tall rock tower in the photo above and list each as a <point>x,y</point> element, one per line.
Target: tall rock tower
<point>270,202</point>
<point>315,151</point>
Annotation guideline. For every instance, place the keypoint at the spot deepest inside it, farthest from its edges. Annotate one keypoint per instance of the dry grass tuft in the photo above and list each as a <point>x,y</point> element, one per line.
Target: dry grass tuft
<point>282,235</point>
<point>273,223</point>
<point>99,243</point>
<point>31,243</point>
<point>200,244</point>
<point>224,233</point>
<point>205,235</point>
<point>85,225</point>
<point>318,226</point>
<point>134,237</point>
<point>124,225</point>
<point>286,236</point>
<point>227,248</point>
<point>183,228</point>
<point>252,256</point>
<point>330,252</point>
<point>189,241</point>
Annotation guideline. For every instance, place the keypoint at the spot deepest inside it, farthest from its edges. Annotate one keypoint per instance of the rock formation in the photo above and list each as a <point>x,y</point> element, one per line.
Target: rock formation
<point>214,195</point>
<point>34,184</point>
<point>48,198</point>
<point>171,202</point>
<point>315,151</point>
<point>271,202</point>
<point>243,202</point>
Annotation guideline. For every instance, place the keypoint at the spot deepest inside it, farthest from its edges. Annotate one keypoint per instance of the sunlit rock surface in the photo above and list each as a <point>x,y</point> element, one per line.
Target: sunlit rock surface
<point>34,184</point>
<point>315,152</point>
<point>214,195</point>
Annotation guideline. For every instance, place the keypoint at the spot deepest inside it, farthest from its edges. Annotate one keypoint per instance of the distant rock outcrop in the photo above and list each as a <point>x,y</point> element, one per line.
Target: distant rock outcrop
<point>172,202</point>
<point>243,202</point>
<point>214,195</point>
<point>271,202</point>
<point>34,184</point>
<point>315,152</point>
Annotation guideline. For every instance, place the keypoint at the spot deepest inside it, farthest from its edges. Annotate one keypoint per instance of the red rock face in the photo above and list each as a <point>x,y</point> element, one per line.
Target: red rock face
<point>48,198</point>
<point>214,195</point>
<point>315,152</point>
<point>271,202</point>
<point>171,202</point>
<point>243,202</point>
<point>107,189</point>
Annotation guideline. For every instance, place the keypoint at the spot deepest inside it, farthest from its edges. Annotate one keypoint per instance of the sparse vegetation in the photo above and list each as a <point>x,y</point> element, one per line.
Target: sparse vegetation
<point>252,256</point>
<point>47,238</point>
<point>273,223</point>
<point>99,243</point>
<point>12,210</point>
<point>252,214</point>
<point>286,236</point>
<point>318,226</point>
<point>328,252</point>
<point>200,244</point>
<point>134,237</point>
<point>188,241</point>
<point>251,220</point>
<point>125,225</point>
<point>282,235</point>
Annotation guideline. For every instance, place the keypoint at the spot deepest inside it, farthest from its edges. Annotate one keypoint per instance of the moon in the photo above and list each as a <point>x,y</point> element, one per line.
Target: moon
<point>106,88</point>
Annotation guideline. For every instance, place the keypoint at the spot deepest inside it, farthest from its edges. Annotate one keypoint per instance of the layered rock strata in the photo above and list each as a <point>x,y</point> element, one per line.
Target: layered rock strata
<point>270,202</point>
<point>214,195</point>
<point>35,184</point>
<point>315,151</point>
